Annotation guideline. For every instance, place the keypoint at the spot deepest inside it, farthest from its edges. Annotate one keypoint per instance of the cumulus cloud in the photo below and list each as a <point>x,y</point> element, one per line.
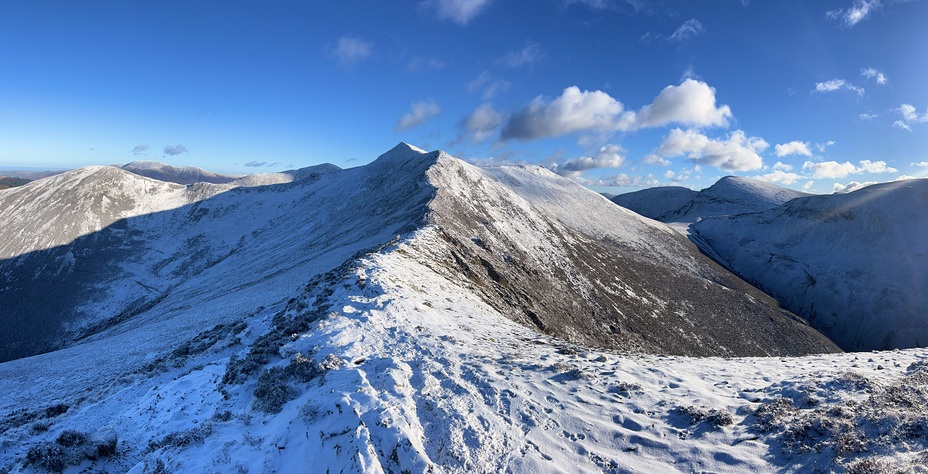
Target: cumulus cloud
<point>139,149</point>
<point>455,11</point>
<point>691,103</point>
<point>876,74</point>
<point>920,164</point>
<point>418,114</point>
<point>174,150</point>
<point>829,169</point>
<point>875,167</point>
<point>530,54</point>
<point>780,176</point>
<point>851,187</point>
<point>487,85</point>
<point>350,50</point>
<point>833,169</point>
<point>688,30</point>
<point>480,125</point>
<point>836,85</point>
<point>573,111</point>
<point>793,148</point>
<point>737,153</point>
<point>782,167</point>
<point>609,156</point>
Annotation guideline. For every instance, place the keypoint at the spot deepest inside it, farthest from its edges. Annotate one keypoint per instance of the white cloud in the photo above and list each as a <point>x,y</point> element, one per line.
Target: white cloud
<point>487,85</point>
<point>867,116</point>
<point>904,177</point>
<point>910,114</point>
<point>876,74</point>
<point>688,30</point>
<point>530,54</point>
<point>920,164</point>
<point>854,14</point>
<point>609,156</point>
<point>780,176</point>
<point>418,114</point>
<point>622,181</point>
<point>793,148</point>
<point>456,11</point>
<point>573,111</point>
<point>902,125</point>
<point>738,153</point>
<point>829,169</point>
<point>867,166</point>
<point>836,85</point>
<point>351,50</point>
<point>782,167</point>
<point>851,187</point>
<point>691,103</point>
<point>833,169</point>
<point>821,147</point>
<point>481,124</point>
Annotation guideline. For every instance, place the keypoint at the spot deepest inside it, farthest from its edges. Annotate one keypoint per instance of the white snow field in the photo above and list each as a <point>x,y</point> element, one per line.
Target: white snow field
<point>354,324</point>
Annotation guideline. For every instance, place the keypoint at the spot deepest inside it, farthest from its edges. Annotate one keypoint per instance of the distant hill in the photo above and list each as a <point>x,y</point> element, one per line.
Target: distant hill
<point>171,174</point>
<point>7,182</point>
<point>729,195</point>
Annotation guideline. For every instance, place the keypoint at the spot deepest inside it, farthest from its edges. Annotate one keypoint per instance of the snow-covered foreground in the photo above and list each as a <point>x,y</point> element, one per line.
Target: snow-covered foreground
<point>380,366</point>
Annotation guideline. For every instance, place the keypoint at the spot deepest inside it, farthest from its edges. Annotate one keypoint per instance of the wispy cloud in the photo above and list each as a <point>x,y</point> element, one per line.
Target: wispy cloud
<point>418,114</point>
<point>837,85</point>
<point>856,13</point>
<point>139,149</point>
<point>529,54</point>
<point>688,30</point>
<point>455,11</point>
<point>174,150</point>
<point>350,50</point>
<point>480,125</point>
<point>261,164</point>
<point>875,74</point>
<point>487,85</point>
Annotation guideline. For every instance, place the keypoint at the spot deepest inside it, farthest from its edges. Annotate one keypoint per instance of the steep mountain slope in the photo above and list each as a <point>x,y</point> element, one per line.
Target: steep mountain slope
<point>172,174</point>
<point>730,195</point>
<point>853,264</point>
<point>654,202</point>
<point>113,246</point>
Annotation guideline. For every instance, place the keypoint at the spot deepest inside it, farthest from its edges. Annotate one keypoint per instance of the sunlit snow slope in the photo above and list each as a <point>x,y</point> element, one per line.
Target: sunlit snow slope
<point>854,264</point>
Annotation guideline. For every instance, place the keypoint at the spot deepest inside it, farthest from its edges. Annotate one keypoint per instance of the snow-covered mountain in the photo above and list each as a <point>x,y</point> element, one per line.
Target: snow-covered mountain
<point>655,202</point>
<point>853,264</point>
<point>417,314</point>
<point>172,174</point>
<point>729,195</point>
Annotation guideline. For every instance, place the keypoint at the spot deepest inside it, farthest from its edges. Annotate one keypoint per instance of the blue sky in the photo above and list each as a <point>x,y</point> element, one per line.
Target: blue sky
<point>618,94</point>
